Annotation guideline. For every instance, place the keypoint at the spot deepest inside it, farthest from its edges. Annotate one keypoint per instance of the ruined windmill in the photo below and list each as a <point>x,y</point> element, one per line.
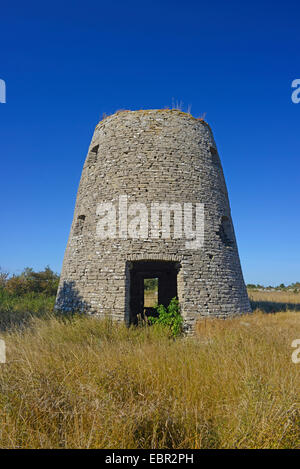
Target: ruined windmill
<point>152,203</point>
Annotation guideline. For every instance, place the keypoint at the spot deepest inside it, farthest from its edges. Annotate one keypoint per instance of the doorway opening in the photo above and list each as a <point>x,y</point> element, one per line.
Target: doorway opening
<point>152,283</point>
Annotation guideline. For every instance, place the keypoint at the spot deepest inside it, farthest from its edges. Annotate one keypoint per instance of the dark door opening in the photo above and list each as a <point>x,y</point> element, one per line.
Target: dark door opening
<point>151,283</point>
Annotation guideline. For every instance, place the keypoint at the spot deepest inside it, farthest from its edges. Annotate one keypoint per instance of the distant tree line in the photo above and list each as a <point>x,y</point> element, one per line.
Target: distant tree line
<point>293,286</point>
<point>46,281</point>
<point>29,281</point>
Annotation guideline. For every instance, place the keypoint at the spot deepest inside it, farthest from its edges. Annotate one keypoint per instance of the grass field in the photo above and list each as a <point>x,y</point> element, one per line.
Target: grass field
<point>88,383</point>
<point>275,301</point>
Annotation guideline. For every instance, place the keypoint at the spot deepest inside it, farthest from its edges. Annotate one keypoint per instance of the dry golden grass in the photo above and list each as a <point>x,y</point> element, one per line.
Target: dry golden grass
<point>88,383</point>
<point>279,296</point>
<point>274,301</point>
<point>150,299</point>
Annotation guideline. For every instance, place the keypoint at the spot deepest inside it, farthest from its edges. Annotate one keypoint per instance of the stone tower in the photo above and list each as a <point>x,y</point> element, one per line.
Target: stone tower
<point>152,203</point>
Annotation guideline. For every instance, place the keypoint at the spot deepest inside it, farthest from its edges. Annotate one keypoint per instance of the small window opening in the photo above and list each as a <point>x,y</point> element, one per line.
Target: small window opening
<point>225,232</point>
<point>92,156</point>
<point>215,156</point>
<point>79,225</point>
<point>150,292</point>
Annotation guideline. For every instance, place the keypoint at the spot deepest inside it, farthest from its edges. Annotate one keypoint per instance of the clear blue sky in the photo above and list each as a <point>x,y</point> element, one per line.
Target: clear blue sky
<point>66,63</point>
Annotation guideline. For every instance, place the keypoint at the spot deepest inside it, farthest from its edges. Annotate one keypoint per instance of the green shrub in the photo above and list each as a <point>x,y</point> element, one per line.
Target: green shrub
<point>19,309</point>
<point>28,281</point>
<point>169,317</point>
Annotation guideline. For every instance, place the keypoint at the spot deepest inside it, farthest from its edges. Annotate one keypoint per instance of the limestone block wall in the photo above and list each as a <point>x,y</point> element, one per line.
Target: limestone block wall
<point>152,156</point>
